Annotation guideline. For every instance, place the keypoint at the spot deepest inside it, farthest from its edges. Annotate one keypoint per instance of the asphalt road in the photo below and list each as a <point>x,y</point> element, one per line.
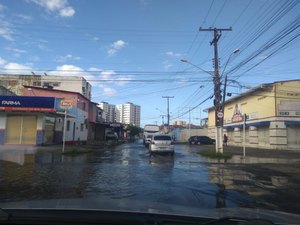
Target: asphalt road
<point>129,172</point>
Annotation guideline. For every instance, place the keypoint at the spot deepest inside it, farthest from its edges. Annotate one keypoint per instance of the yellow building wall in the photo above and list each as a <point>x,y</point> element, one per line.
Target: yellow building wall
<point>288,98</point>
<point>257,105</point>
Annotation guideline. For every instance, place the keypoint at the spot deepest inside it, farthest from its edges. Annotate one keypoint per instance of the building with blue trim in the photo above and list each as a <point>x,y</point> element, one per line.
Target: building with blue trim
<point>271,113</point>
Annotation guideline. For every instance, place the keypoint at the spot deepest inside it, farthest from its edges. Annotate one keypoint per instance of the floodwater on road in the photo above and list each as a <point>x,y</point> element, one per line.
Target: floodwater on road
<point>129,172</point>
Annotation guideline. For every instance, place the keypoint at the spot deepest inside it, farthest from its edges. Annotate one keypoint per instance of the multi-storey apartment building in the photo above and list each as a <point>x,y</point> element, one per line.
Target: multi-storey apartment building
<point>108,114</point>
<point>128,113</point>
<point>15,83</point>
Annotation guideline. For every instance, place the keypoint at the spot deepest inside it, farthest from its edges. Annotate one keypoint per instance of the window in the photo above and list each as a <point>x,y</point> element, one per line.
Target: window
<point>162,138</point>
<point>260,98</point>
<point>81,126</point>
<point>83,106</point>
<point>68,125</point>
<point>37,83</point>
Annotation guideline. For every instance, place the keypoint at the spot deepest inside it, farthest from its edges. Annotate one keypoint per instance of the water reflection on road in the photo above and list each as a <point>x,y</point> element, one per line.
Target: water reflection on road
<point>126,172</point>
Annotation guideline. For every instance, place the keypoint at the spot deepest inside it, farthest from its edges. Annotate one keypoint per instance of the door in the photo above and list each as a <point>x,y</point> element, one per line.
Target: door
<point>21,129</point>
<point>293,136</point>
<point>13,129</point>
<point>49,130</point>
<point>29,130</point>
<point>74,129</point>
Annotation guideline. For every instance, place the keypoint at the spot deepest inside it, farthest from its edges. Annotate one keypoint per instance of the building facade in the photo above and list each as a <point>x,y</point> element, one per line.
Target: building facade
<point>272,113</point>
<point>15,83</point>
<point>109,111</point>
<point>77,114</point>
<point>128,113</point>
<point>30,120</point>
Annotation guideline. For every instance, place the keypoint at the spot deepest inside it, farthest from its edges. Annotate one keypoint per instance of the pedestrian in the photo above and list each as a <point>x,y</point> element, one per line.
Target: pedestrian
<point>225,139</point>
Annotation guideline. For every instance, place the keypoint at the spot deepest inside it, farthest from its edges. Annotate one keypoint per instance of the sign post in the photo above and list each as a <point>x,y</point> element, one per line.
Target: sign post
<point>64,132</point>
<point>244,136</point>
<point>65,104</point>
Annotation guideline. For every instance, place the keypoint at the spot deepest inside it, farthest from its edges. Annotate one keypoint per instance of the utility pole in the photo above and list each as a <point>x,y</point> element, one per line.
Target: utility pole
<point>162,120</point>
<point>168,108</point>
<point>217,88</point>
<point>189,122</point>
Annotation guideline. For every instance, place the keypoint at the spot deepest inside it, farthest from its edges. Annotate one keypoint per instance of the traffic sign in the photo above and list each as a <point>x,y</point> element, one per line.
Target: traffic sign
<point>220,115</point>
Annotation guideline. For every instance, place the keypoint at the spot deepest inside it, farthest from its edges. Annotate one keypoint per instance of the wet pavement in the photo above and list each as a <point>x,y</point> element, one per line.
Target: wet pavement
<point>129,172</point>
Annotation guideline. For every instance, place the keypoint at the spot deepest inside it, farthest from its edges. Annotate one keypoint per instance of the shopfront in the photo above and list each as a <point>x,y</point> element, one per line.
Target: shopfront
<point>27,120</point>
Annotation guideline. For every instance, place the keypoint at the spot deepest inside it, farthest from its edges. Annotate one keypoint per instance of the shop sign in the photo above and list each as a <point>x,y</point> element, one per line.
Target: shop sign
<point>66,104</point>
<point>237,114</point>
<point>27,103</point>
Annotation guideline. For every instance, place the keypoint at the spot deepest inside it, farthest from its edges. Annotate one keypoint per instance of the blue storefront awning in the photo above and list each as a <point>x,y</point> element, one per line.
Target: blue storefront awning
<point>291,122</point>
<point>255,124</point>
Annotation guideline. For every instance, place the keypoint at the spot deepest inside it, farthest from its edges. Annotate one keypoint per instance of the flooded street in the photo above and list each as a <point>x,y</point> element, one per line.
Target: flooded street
<point>128,172</point>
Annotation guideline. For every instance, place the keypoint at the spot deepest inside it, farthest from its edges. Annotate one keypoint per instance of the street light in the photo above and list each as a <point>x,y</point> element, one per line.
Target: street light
<point>219,106</point>
<point>225,82</point>
<point>188,62</point>
<point>234,52</point>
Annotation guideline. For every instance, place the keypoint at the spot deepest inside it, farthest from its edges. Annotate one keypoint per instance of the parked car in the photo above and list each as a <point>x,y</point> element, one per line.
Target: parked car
<point>201,140</point>
<point>111,136</point>
<point>161,144</point>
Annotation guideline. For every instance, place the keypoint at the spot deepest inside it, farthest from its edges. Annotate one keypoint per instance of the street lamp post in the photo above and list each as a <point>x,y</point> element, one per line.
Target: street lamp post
<point>225,82</point>
<point>218,103</point>
<point>198,67</point>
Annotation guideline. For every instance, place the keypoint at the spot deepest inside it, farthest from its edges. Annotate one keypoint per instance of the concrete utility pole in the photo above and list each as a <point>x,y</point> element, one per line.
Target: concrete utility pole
<point>168,108</point>
<point>217,88</point>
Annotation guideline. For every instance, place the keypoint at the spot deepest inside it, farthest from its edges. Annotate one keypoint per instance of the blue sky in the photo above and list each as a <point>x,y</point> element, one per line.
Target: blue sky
<point>131,50</point>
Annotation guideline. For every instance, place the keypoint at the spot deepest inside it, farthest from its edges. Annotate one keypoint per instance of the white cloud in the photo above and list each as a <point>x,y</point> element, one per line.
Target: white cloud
<point>16,68</point>
<point>173,54</point>
<point>67,12</point>
<point>59,6</point>
<point>68,70</point>
<point>24,17</point>
<point>16,50</point>
<point>123,80</point>
<point>94,69</point>
<point>2,61</point>
<point>71,70</point>
<point>97,77</point>
<point>106,74</point>
<point>5,30</point>
<point>35,58</point>
<point>95,39</point>
<point>66,57</point>
<point>115,47</point>
<point>167,65</point>
<point>109,91</point>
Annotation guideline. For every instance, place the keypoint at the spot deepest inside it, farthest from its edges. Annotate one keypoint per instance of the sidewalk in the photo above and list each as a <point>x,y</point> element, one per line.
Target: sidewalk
<point>31,148</point>
<point>263,153</point>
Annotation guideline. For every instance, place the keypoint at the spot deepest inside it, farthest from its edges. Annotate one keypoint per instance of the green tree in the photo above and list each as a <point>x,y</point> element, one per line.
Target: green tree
<point>134,130</point>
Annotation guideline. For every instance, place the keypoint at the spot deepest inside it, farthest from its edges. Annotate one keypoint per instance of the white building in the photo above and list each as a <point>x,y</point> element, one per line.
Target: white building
<point>77,84</point>
<point>108,114</point>
<point>128,113</point>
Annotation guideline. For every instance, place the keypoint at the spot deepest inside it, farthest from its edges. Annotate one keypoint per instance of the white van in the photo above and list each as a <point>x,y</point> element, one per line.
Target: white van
<point>149,131</point>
